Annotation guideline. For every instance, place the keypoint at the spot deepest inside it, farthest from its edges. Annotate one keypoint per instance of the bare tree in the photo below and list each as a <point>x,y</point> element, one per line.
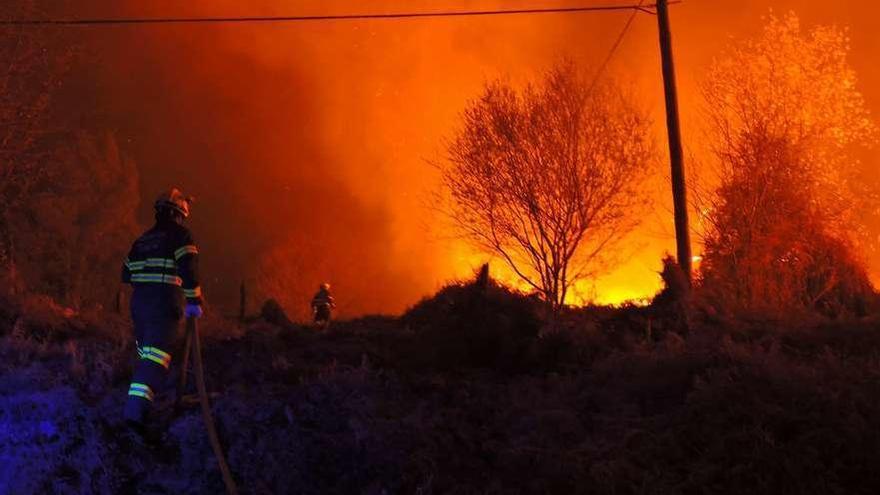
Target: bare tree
<point>547,177</point>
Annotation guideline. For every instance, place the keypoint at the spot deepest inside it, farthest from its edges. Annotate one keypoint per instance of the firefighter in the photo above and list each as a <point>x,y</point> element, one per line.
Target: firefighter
<point>322,304</point>
<point>162,267</point>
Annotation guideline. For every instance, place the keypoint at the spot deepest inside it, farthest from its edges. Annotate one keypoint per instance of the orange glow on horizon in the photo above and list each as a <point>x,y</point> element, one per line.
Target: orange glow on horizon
<point>636,285</point>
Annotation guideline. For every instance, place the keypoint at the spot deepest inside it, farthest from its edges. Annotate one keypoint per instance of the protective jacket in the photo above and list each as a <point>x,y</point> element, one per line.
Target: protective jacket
<point>162,266</point>
<point>322,298</point>
<point>322,302</point>
<point>161,262</point>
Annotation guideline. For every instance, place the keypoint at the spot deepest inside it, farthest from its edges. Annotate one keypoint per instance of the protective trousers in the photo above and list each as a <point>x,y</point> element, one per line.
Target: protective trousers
<point>154,336</point>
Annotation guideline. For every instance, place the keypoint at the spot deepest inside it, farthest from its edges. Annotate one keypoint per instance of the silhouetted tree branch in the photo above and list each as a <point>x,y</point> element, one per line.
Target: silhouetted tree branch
<point>547,177</point>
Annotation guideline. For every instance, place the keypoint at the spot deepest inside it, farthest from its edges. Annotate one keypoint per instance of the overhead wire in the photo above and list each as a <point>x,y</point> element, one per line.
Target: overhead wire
<point>326,17</point>
<point>638,8</point>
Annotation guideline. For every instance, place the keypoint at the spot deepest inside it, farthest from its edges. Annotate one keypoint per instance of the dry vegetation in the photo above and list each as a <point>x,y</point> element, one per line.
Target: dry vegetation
<point>469,392</point>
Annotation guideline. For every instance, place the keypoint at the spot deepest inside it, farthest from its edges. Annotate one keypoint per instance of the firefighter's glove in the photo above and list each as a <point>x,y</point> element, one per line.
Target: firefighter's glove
<point>193,311</point>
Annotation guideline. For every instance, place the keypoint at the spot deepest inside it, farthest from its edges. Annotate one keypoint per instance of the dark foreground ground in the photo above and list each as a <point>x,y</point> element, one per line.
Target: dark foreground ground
<point>466,394</point>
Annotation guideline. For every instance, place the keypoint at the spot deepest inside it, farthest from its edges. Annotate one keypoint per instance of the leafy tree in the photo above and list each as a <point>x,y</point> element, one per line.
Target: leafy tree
<point>77,226</point>
<point>547,177</point>
<point>32,68</point>
<point>786,114</point>
<point>67,195</point>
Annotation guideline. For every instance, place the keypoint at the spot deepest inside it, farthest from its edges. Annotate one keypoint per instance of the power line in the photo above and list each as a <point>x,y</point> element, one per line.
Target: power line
<point>616,44</point>
<point>336,17</point>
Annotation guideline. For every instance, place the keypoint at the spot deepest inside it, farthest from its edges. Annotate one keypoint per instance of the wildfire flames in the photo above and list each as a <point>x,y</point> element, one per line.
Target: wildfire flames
<point>323,134</point>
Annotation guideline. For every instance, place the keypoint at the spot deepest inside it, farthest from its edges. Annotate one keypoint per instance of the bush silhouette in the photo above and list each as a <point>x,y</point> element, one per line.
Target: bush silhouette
<point>479,324</point>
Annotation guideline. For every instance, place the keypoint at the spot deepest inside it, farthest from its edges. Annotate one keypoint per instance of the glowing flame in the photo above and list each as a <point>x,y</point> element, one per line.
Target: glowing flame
<point>633,283</point>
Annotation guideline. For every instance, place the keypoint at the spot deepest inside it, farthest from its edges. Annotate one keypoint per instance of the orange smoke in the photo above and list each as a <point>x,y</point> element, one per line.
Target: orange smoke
<point>321,133</point>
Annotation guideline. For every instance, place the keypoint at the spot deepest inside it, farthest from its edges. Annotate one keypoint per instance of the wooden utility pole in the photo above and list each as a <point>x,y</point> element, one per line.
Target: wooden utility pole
<point>676,158</point>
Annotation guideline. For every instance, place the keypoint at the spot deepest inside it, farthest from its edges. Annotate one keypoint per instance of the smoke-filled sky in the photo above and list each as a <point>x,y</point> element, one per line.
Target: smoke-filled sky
<point>321,133</point>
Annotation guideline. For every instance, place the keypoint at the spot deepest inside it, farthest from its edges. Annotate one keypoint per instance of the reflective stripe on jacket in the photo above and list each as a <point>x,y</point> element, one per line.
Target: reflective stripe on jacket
<point>164,256</point>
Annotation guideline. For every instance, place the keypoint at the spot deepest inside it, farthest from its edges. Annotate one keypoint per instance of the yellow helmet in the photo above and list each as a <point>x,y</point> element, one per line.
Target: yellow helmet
<point>175,200</point>
<point>325,286</point>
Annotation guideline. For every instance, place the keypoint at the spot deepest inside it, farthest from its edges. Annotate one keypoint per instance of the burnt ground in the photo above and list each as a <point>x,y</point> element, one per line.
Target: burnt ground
<point>458,397</point>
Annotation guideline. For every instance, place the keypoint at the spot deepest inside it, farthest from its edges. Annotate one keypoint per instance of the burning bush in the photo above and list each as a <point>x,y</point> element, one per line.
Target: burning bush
<point>788,209</point>
<point>810,273</point>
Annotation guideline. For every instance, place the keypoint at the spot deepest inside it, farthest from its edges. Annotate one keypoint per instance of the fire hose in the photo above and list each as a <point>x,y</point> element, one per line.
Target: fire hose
<point>193,344</point>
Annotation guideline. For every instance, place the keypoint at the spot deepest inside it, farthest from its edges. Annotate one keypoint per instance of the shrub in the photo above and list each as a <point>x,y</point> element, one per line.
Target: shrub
<point>818,276</point>
<point>273,313</point>
<point>41,319</point>
<point>476,324</point>
<point>9,311</point>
